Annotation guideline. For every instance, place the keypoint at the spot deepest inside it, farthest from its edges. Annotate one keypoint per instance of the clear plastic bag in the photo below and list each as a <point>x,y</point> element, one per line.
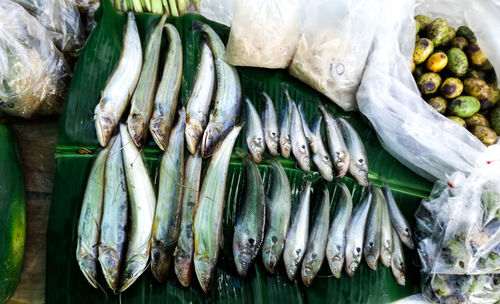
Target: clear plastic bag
<point>218,10</point>
<point>33,73</point>
<point>87,10</point>
<point>334,45</point>
<point>264,33</point>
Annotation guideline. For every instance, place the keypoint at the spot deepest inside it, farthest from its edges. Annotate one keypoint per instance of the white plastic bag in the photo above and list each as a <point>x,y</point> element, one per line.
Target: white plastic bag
<point>334,45</point>
<point>220,11</point>
<point>264,33</point>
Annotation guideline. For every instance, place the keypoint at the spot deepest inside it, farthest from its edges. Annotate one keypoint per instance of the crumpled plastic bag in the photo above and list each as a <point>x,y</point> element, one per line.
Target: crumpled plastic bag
<point>220,11</point>
<point>87,9</point>
<point>33,73</point>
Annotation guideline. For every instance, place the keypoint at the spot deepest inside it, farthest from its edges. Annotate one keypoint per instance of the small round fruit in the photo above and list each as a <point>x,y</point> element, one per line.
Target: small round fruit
<point>458,120</point>
<point>429,83</point>
<point>459,42</point>
<point>423,48</point>
<point>436,62</point>
<point>451,88</point>
<point>464,106</point>
<point>486,135</point>
<point>438,103</point>
<point>476,56</point>
<point>477,120</point>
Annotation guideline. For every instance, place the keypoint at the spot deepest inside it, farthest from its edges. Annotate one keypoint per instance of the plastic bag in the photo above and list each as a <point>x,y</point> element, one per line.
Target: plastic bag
<point>264,33</point>
<point>218,10</point>
<point>333,47</point>
<point>87,9</point>
<point>33,73</point>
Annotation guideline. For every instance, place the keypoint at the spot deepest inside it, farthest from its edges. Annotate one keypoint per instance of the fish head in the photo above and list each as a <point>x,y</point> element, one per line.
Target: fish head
<point>211,138</point>
<point>324,164</point>
<point>256,147</point>
<point>158,128</point>
<point>286,147</point>
<point>88,266</point>
<point>308,274</point>
<point>408,238</point>
<point>336,264</point>
<point>359,169</point>
<point>105,124</point>
<point>371,261</point>
<point>193,134</point>
<point>291,270</point>
<point>242,258</point>
<point>398,272</point>
<point>137,128</point>
<point>134,267</point>
<point>272,142</point>
<point>303,157</point>
<point>110,265</point>
<point>385,257</point>
<point>270,258</point>
<point>204,268</point>
<point>182,266</point>
<point>350,268</point>
<point>160,262</point>
<point>341,160</point>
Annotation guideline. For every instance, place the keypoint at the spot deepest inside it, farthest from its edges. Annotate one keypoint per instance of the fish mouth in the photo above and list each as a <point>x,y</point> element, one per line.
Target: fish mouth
<point>257,152</point>
<point>273,148</point>
<point>104,125</point>
<point>336,267</point>
<point>193,135</point>
<point>243,263</point>
<point>270,261</point>
<point>307,275</point>
<point>209,141</point>
<point>137,129</point>
<point>342,168</point>
<point>160,263</point>
<point>134,268</point>
<point>372,262</point>
<point>285,150</point>
<point>351,268</point>
<point>157,129</point>
<point>203,271</point>
<point>291,271</point>
<point>110,264</point>
<point>385,258</point>
<point>88,268</point>
<point>182,269</point>
<point>306,163</point>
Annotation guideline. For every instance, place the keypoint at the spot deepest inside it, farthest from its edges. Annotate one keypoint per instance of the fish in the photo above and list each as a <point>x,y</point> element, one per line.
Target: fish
<point>278,210</point>
<point>89,223</point>
<point>142,202</point>
<point>167,95</point>
<point>254,132</point>
<point>336,143</point>
<point>398,260</point>
<point>398,220</point>
<point>386,242</point>
<point>114,223</point>
<point>358,164</point>
<point>198,104</point>
<point>296,238</point>
<point>300,147</point>
<point>121,84</point>
<point>335,246</point>
<point>355,234</point>
<point>285,128</point>
<point>183,254</point>
<point>227,95</point>
<point>142,101</point>
<point>249,227</point>
<point>371,246</point>
<point>166,225</point>
<point>271,130</point>
<point>316,244</point>
<point>208,219</point>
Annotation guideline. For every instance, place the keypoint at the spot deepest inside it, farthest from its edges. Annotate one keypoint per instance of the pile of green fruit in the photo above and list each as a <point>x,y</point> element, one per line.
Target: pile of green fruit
<point>455,77</point>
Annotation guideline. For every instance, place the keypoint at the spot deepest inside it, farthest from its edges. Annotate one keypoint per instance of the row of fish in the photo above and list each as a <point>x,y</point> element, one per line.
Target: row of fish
<point>295,137</point>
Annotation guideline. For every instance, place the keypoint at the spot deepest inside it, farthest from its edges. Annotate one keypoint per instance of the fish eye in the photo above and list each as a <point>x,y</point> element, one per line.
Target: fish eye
<point>360,160</point>
<point>273,134</point>
<point>251,241</point>
<point>327,158</point>
<point>407,230</point>
<point>358,249</point>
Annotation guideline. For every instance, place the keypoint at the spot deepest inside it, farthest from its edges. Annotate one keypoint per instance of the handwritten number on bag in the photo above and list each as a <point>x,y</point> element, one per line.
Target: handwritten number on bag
<point>339,69</point>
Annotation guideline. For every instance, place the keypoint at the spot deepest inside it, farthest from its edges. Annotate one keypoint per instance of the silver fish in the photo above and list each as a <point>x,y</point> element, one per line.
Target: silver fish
<point>335,247</point>
<point>198,104</point>
<point>254,132</point>
<point>142,207</point>
<point>249,226</point>
<point>114,217</point>
<point>89,224</point>
<point>358,165</point>
<point>300,148</point>
<point>336,143</point>
<point>121,85</point>
<point>227,96</point>
<point>271,131</point>
<point>208,219</point>
<point>371,245</point>
<point>168,208</point>
<point>398,220</point>
<point>285,129</point>
<point>315,252</point>
<point>398,260</point>
<point>278,209</point>
<point>167,95</point>
<point>385,234</point>
<point>142,101</point>
<point>296,238</point>
<point>355,234</point>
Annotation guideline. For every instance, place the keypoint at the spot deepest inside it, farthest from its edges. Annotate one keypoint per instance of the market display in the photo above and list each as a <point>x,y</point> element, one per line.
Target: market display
<point>161,7</point>
<point>285,129</point>
<point>271,129</point>
<point>254,132</point>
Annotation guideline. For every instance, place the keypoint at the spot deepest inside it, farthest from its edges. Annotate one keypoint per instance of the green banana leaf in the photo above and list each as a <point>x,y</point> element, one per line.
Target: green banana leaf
<point>64,281</point>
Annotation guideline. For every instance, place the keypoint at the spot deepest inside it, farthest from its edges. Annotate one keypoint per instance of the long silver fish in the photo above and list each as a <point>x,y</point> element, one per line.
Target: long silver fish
<point>386,242</point>
<point>142,101</point>
<point>286,128</point>
<point>254,132</point>
<point>336,143</point>
<point>167,216</point>
<point>121,85</point>
<point>249,226</point>
<point>371,245</point>
<point>271,131</point>
<point>142,207</point>
<point>335,246</point>
<point>398,220</point>
<point>358,165</point>
<point>89,224</point>
<point>208,219</point>
<point>300,147</point>
<point>278,209</point>
<point>114,217</point>
<point>398,260</point>
<point>355,234</point>
<point>296,238</point>
<point>183,255</point>
<point>167,95</point>
<point>198,104</point>
<point>227,97</point>
<point>315,252</point>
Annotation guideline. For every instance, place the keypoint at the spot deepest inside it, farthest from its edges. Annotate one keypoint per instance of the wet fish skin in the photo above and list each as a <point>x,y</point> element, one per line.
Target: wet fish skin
<point>316,244</point>
<point>285,129</point>
<point>372,241</point>
<point>254,132</point>
<point>198,104</point>
<point>300,148</point>
<point>336,143</point>
<point>278,210</point>
<point>398,260</point>
<point>335,247</point>
<point>296,238</point>
<point>271,130</point>
<point>386,242</point>
<point>167,95</point>
<point>307,132</point>
<point>121,84</point>
<point>398,220</point>
<point>249,226</point>
<point>166,225</point>
<point>358,165</point>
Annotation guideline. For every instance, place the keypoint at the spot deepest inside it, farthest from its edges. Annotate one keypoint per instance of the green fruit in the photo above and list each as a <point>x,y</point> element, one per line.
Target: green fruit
<point>466,33</point>
<point>451,88</point>
<point>481,90</point>
<point>493,98</point>
<point>436,62</point>
<point>486,135</point>
<point>423,21</point>
<point>487,66</point>
<point>417,27</point>
<point>477,120</point>
<point>459,42</point>
<point>438,103</point>
<point>437,31</point>
<point>458,120</point>
<point>464,106</point>
<point>457,62</point>
<point>449,36</point>
<point>423,48</point>
<point>429,83</point>
<point>476,56</point>
<point>495,119</point>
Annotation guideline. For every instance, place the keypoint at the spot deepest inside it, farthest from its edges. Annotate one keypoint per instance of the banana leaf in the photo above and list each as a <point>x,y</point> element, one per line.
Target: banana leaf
<point>64,281</point>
